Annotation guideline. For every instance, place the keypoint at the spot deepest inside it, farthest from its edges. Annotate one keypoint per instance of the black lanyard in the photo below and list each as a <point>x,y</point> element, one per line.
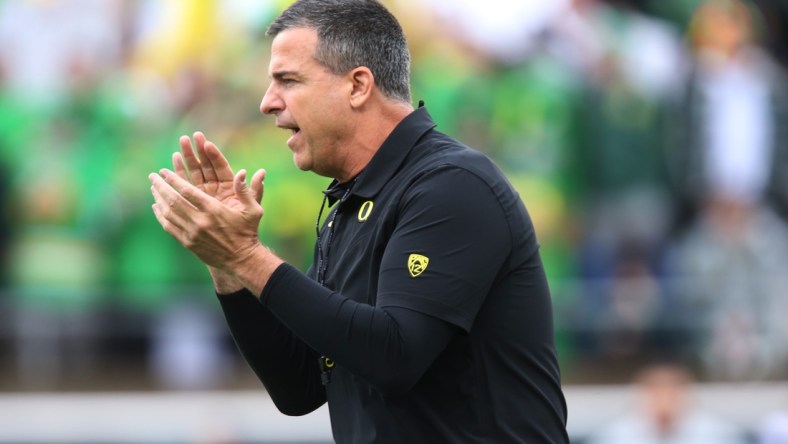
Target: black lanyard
<point>326,363</point>
<point>322,254</point>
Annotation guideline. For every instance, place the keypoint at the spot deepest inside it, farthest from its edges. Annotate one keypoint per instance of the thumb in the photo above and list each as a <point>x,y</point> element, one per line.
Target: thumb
<point>258,186</point>
<point>242,190</point>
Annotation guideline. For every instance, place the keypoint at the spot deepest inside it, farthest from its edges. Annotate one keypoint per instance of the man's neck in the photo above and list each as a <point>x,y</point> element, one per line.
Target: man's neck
<point>369,136</point>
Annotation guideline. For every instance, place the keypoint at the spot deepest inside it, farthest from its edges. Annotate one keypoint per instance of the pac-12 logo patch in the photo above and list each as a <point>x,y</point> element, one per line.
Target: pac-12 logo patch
<point>417,264</point>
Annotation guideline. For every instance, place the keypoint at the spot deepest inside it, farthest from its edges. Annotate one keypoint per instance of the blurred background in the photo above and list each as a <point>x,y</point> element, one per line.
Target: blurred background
<point>648,139</point>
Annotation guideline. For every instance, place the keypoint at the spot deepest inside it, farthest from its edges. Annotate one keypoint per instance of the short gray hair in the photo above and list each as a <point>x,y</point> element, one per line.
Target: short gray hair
<point>353,33</point>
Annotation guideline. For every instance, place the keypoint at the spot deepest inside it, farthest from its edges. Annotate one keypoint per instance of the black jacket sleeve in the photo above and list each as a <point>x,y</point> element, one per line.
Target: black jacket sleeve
<point>284,364</point>
<point>385,346</point>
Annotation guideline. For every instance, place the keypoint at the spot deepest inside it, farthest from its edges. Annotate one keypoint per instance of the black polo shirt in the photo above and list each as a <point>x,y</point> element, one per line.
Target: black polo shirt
<point>433,226</point>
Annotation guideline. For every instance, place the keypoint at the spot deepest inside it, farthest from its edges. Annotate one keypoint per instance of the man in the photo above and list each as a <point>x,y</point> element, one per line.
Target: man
<point>426,315</point>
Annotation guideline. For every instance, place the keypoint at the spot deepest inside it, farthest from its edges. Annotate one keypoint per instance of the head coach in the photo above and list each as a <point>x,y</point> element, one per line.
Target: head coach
<point>426,315</point>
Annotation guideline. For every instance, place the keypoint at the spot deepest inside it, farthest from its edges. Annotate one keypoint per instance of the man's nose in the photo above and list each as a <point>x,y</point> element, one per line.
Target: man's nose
<point>271,103</point>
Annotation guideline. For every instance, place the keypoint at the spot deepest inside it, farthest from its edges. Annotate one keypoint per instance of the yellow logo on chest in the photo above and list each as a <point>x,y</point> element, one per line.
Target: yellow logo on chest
<point>417,264</point>
<point>365,211</point>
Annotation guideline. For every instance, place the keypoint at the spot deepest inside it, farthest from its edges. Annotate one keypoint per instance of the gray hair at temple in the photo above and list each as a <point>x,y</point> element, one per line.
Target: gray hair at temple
<point>353,33</point>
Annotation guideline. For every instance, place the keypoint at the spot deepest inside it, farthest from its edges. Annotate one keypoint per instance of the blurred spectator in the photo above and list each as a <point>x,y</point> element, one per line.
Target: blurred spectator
<point>732,143</point>
<point>665,414</point>
<point>731,162</point>
<point>633,67</point>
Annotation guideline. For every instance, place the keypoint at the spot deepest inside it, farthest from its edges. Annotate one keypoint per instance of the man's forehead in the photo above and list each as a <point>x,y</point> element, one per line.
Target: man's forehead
<point>291,48</point>
<point>296,41</point>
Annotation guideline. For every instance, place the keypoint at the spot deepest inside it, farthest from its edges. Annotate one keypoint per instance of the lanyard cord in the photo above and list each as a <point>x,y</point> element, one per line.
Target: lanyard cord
<point>322,255</point>
<point>326,363</point>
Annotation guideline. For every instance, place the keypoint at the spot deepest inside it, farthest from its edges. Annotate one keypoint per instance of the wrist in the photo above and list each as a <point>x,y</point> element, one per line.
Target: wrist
<point>224,282</point>
<point>254,269</point>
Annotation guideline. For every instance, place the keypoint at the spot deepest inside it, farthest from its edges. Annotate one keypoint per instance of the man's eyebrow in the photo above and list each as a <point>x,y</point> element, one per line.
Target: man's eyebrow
<point>278,75</point>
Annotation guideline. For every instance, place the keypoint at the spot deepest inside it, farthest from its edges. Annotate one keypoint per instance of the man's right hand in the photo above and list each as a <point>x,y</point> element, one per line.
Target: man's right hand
<point>205,167</point>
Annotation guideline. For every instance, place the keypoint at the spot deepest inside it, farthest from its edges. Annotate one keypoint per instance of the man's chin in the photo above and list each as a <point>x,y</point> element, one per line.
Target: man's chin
<point>301,164</point>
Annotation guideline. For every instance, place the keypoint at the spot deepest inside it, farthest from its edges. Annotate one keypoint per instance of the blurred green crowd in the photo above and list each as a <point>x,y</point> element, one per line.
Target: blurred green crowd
<point>77,232</point>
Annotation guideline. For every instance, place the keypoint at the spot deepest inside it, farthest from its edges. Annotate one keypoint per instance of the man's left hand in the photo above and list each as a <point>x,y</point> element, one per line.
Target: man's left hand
<point>220,235</point>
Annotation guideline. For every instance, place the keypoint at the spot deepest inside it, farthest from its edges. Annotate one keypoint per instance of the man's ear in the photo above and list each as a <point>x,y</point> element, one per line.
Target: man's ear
<point>363,83</point>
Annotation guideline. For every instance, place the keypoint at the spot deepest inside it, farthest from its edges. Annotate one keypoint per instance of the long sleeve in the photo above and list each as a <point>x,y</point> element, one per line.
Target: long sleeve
<point>284,364</point>
<point>386,347</point>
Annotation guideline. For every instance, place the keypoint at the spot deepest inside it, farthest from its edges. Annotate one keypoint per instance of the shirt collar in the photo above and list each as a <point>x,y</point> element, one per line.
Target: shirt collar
<point>387,159</point>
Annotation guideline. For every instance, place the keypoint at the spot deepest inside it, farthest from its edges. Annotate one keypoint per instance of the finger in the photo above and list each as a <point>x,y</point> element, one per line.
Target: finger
<point>258,186</point>
<point>179,195</point>
<point>165,223</point>
<point>192,162</point>
<point>168,202</point>
<point>171,221</point>
<point>219,164</point>
<point>208,171</point>
<point>168,219</point>
<point>241,189</point>
<point>244,193</point>
<point>179,166</point>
